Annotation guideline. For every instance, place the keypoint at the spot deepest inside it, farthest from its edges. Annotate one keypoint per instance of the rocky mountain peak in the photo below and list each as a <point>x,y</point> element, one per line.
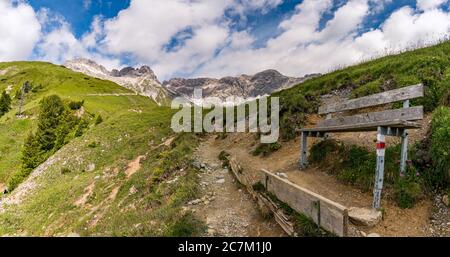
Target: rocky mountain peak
<point>134,72</point>
<point>140,80</point>
<point>245,86</point>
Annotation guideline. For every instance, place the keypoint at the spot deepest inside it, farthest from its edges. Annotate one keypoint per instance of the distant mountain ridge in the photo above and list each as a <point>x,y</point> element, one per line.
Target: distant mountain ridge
<point>244,86</point>
<point>144,81</point>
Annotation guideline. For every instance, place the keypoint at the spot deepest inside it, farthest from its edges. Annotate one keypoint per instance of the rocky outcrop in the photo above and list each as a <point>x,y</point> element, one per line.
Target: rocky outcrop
<point>245,86</point>
<point>143,80</point>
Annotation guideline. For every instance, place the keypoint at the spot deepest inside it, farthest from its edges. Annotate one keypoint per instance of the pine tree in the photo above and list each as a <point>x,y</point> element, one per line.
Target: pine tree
<point>51,115</point>
<point>31,156</point>
<point>5,103</point>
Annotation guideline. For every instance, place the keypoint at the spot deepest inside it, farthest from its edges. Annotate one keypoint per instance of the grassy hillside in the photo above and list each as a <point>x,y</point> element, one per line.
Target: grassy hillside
<point>48,79</point>
<point>110,181</point>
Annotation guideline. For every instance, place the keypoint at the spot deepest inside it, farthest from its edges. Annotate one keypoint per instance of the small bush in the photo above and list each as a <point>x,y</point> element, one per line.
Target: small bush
<point>17,178</point>
<point>266,149</point>
<point>187,226</point>
<point>65,171</point>
<point>223,156</point>
<point>5,103</point>
<point>93,144</point>
<point>98,120</point>
<point>320,150</point>
<point>407,192</point>
<point>438,176</point>
<point>259,187</point>
<point>76,105</point>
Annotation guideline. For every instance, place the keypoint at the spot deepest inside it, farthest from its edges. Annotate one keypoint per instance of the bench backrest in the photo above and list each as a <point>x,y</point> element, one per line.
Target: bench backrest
<point>401,94</point>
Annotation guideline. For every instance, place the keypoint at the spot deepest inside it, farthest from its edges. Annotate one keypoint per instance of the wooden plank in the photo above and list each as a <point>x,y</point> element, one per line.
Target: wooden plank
<point>366,127</point>
<point>407,114</point>
<point>263,202</point>
<point>396,95</point>
<point>330,215</point>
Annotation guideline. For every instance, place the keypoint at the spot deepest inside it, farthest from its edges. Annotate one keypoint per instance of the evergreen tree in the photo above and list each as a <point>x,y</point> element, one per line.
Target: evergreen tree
<point>51,115</point>
<point>31,155</point>
<point>5,103</point>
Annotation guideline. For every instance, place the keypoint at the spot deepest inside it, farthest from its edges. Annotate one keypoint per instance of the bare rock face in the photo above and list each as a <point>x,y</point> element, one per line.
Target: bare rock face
<point>364,216</point>
<point>141,80</point>
<point>244,86</point>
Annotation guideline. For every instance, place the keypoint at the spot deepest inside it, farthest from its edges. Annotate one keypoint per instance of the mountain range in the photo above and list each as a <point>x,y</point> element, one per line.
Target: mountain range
<point>143,81</point>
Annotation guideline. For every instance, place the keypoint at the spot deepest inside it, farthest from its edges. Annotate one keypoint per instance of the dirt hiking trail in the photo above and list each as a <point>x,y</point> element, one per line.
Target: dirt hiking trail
<point>226,209</point>
<point>396,221</point>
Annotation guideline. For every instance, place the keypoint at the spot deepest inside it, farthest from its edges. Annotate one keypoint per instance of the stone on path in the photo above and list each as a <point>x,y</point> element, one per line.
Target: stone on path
<point>364,216</point>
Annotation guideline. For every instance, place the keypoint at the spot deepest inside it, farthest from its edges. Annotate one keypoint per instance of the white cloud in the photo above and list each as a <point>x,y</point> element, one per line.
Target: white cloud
<point>146,28</point>
<point>59,44</point>
<point>301,48</point>
<point>379,5</point>
<point>19,30</point>
<point>207,42</point>
<point>429,4</point>
<point>263,5</point>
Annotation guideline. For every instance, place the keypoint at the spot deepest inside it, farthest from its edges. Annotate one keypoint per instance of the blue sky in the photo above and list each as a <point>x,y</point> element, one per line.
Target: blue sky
<point>80,13</point>
<point>217,38</point>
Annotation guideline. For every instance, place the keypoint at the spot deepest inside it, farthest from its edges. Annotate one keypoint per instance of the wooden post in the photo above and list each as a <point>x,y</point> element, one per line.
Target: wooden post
<point>304,149</point>
<point>404,153</point>
<point>379,177</point>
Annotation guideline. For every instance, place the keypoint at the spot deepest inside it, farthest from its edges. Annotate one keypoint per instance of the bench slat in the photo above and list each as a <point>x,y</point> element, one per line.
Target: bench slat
<point>396,95</point>
<point>366,126</point>
<point>407,114</point>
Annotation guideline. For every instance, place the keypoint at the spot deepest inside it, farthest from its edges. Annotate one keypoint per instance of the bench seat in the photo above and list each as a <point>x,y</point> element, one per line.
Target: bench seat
<point>366,126</point>
<point>394,122</point>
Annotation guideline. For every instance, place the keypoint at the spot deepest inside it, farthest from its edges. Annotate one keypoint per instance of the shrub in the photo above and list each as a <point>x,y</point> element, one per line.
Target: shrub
<point>358,167</point>
<point>65,171</point>
<point>5,103</point>
<point>355,165</point>
<point>187,226</point>
<point>320,150</point>
<point>407,191</point>
<point>80,128</point>
<point>259,187</point>
<point>266,149</point>
<point>93,144</point>
<point>17,178</point>
<point>438,175</point>
<point>98,120</point>
<point>223,156</point>
<point>73,105</point>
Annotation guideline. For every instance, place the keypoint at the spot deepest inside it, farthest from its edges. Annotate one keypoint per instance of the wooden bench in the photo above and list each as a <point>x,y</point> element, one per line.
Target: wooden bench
<point>386,123</point>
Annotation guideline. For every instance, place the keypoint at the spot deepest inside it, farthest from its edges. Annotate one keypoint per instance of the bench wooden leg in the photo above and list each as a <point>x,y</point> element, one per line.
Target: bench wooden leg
<point>379,177</point>
<point>404,153</point>
<point>304,149</point>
